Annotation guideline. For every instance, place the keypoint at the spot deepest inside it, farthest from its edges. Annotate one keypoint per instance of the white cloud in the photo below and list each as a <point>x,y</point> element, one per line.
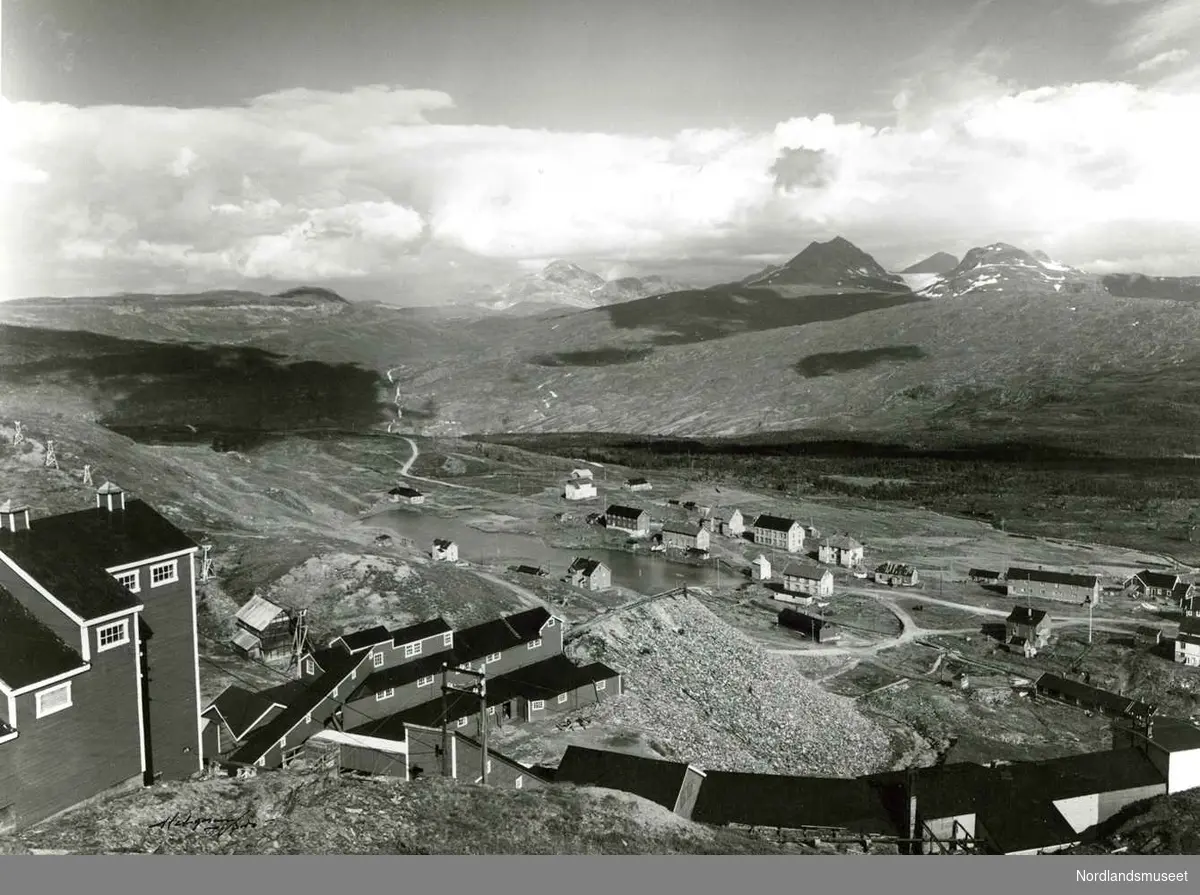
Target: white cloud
<point>1167,57</point>
<point>320,186</point>
<point>1166,22</point>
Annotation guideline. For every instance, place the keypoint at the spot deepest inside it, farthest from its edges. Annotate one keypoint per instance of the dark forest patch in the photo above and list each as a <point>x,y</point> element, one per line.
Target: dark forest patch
<point>597,357</point>
<point>830,362</point>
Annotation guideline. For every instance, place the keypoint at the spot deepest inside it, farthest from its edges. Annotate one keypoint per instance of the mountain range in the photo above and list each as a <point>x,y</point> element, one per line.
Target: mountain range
<point>561,284</point>
<point>837,263</point>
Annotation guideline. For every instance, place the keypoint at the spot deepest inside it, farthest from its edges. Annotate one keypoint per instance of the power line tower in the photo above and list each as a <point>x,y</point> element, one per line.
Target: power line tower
<point>51,461</point>
<point>480,690</point>
<point>87,475</point>
<point>206,562</point>
<point>18,434</point>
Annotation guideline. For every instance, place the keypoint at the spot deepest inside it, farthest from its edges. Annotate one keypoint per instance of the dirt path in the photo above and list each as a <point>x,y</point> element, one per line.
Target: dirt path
<point>416,452</point>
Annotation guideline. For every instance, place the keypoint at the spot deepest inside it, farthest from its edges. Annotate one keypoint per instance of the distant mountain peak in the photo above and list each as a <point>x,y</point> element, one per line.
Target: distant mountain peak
<point>565,284</point>
<point>317,293</point>
<point>1002,267</point>
<point>835,263</point>
<point>938,262</point>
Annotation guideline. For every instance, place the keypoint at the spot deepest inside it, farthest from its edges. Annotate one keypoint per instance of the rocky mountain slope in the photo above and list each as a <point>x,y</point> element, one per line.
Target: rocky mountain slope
<point>1003,269</point>
<point>837,263</point>
<point>938,263</point>
<point>1136,285</point>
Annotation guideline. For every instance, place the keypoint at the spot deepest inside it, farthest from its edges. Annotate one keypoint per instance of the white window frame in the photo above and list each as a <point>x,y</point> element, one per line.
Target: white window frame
<point>412,649</point>
<point>601,685</point>
<point>41,711</point>
<point>550,623</point>
<point>534,644</point>
<point>122,637</point>
<point>563,697</point>
<point>172,565</point>
<point>462,722</point>
<point>308,718</point>
<point>489,765</point>
<point>310,667</point>
<point>131,580</point>
<point>537,705</point>
<point>283,742</point>
<point>425,681</point>
<point>519,782</point>
<point>377,660</point>
<point>262,761</point>
<point>493,658</point>
<point>448,639</point>
<point>491,710</point>
<point>385,694</point>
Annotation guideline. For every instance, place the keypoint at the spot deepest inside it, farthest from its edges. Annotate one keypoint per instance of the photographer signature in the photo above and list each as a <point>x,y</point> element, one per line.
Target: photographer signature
<point>216,826</point>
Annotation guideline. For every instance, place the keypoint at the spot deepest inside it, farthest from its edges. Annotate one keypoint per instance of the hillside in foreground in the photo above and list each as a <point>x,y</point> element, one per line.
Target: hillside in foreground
<point>311,813</point>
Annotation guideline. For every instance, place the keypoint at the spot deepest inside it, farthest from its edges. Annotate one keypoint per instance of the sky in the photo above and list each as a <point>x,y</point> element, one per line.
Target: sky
<point>412,152</point>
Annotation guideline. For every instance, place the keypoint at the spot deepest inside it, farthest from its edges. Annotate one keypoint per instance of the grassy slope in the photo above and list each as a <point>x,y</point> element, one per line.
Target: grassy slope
<point>306,813</point>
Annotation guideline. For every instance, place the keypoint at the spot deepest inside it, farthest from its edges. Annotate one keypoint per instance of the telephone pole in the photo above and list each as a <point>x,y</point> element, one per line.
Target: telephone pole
<point>480,690</point>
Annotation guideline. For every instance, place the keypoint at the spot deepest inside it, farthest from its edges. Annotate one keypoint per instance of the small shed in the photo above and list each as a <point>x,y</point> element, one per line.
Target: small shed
<point>815,628</point>
<point>444,550</point>
<point>263,629</point>
<point>405,494</point>
<point>638,484</point>
<point>760,568</point>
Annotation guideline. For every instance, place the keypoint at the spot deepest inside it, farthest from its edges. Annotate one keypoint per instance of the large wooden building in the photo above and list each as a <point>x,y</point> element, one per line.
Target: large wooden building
<point>777,532</point>
<point>685,536</point>
<point>840,550</point>
<point>1044,584</point>
<point>808,578</point>
<point>631,519</point>
<point>98,660</point>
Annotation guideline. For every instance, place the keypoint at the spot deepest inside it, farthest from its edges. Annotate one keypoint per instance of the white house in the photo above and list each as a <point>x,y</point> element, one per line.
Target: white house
<point>638,484</point>
<point>581,474</point>
<point>579,489</point>
<point>841,550</point>
<point>733,525</point>
<point>808,578</point>
<point>1187,641</point>
<point>760,568</point>
<point>775,531</point>
<point>444,550</point>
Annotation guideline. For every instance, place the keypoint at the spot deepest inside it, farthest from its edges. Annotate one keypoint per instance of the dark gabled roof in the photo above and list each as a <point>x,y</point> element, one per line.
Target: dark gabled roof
<point>1048,577</point>
<point>442,543</point>
<point>807,570</point>
<point>499,634</point>
<point>1190,624</point>
<point>624,512</point>
<point>324,657</point>
<point>1158,579</point>
<point>405,491</point>
<point>530,570</point>
<point>689,529</point>
<point>982,573</point>
<point>654,779</point>
<point>29,651</point>
<point>770,800</point>
<point>801,620</point>
<point>842,542</point>
<point>1105,699</point>
<point>1182,589</point>
<point>241,709</point>
<point>774,523</point>
<point>584,565</point>
<point>638,481</point>
<point>895,568</point>
<point>1023,615</point>
<point>1025,824</point>
<point>303,702</point>
<point>429,628</point>
<point>1175,734</point>
<point>68,554</point>
<point>357,641</point>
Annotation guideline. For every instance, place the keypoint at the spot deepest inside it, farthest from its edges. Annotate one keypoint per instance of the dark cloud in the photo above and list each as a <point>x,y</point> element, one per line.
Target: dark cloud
<point>801,168</point>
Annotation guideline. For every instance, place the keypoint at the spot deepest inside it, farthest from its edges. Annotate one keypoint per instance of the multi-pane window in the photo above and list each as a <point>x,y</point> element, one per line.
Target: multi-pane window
<point>164,573</point>
<point>494,657</point>
<point>448,639</point>
<point>534,644</point>
<point>385,694</point>
<point>425,681</point>
<point>114,635</point>
<point>462,722</point>
<point>412,649</point>
<point>377,660</point>
<point>537,705</point>
<point>600,685</point>
<point>130,580</point>
<point>562,697</point>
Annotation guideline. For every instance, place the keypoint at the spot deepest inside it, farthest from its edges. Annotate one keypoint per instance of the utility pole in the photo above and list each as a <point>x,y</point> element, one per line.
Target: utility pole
<point>480,690</point>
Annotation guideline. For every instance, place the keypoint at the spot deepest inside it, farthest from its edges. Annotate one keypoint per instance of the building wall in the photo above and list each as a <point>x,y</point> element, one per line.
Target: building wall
<point>425,752</point>
<point>372,761</point>
<point>1187,653</point>
<point>503,772</point>
<point>586,695</point>
<point>822,587</point>
<point>792,541</point>
<point>621,523</point>
<point>1047,591</point>
<point>1184,770</point>
<point>393,654</point>
<point>173,679</point>
<point>64,758</point>
<point>405,697</point>
<point>1083,812</point>
<point>943,827</point>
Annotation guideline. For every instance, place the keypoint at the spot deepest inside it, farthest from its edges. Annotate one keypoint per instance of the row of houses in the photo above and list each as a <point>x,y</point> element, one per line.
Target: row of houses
<point>376,683</point>
<point>1013,808</point>
<point>675,535</point>
<point>1074,587</point>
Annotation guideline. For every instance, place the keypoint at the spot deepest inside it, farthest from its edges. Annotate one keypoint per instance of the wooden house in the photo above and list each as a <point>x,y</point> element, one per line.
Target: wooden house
<point>685,536</point>
<point>760,568</point>
<point>1187,641</point>
<point>893,573</point>
<point>444,550</point>
<point>731,524</point>
<point>590,574</point>
<point>1026,626</point>
<point>264,629</point>
<point>1093,698</point>
<point>1154,585</point>
<point>814,627</point>
<point>579,489</point>
<point>840,550</point>
<point>99,672</point>
<point>984,576</point>
<point>778,532</point>
<point>631,519</point>
<point>581,475</point>
<point>638,484</point>
<point>1067,587</point>
<point>673,785</point>
<point>808,578</point>
<point>405,494</point>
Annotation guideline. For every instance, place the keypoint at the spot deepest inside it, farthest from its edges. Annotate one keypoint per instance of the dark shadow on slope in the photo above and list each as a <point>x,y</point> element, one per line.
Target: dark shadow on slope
<point>682,318</point>
<point>831,362</point>
<point>186,392</point>
<point>598,357</point>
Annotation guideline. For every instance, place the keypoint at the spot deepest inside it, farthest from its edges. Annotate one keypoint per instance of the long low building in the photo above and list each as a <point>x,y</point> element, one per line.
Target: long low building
<point>1047,584</point>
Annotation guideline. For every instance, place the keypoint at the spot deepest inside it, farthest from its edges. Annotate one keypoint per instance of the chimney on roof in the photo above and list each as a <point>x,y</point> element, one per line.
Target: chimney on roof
<point>13,517</point>
<point>110,497</point>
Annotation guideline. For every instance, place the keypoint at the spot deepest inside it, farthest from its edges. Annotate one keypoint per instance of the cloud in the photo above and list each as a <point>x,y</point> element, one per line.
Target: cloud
<point>1165,22</point>
<point>320,186</point>
<point>1167,57</point>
